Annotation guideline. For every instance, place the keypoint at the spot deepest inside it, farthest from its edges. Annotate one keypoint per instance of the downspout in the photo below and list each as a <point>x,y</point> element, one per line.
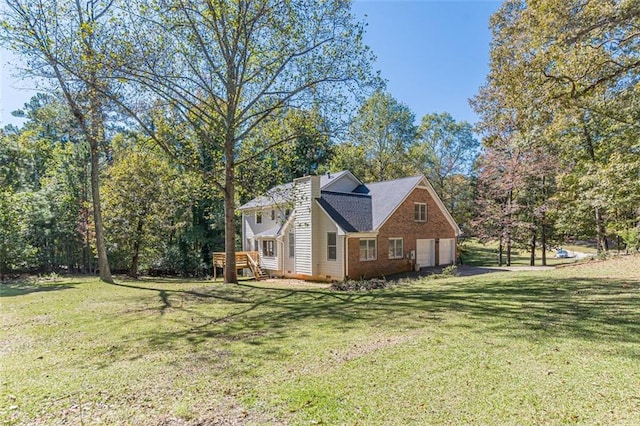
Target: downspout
<point>345,264</point>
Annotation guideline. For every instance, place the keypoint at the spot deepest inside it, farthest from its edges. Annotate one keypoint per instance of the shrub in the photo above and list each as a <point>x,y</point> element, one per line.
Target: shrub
<point>360,285</point>
<point>447,272</point>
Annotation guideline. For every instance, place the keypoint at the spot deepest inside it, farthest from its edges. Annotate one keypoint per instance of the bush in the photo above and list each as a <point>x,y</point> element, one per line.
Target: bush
<point>447,272</point>
<point>360,285</point>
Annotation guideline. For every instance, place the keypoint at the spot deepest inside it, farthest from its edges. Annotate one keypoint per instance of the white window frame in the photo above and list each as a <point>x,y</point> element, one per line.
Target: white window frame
<point>420,212</point>
<point>370,250</point>
<point>333,246</point>
<point>269,248</point>
<point>292,244</point>
<point>273,214</point>
<point>396,251</point>
<point>259,216</point>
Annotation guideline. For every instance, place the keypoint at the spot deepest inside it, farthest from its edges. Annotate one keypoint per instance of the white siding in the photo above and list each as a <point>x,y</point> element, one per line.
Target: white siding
<point>344,183</point>
<point>270,263</point>
<point>289,264</point>
<point>328,269</point>
<point>256,228</point>
<point>247,231</point>
<point>306,189</point>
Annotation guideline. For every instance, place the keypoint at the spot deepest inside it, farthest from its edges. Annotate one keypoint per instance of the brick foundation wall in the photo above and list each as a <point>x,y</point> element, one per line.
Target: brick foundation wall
<point>401,224</point>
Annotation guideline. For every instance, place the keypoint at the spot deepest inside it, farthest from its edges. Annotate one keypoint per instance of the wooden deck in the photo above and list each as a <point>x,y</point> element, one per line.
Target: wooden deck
<point>244,260</point>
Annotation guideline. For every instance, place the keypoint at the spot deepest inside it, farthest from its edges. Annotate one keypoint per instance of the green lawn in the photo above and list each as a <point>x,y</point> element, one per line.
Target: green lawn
<point>551,347</point>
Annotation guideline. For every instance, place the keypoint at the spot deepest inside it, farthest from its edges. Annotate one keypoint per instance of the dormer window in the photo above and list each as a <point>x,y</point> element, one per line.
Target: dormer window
<point>258,217</point>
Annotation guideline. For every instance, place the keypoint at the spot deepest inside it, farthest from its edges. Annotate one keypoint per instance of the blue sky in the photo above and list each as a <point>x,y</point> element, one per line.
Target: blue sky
<point>433,54</point>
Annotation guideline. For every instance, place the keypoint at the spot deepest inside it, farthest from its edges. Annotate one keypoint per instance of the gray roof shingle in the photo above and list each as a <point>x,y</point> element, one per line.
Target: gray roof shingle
<point>386,196</point>
<point>364,209</point>
<point>276,196</point>
<point>352,212</point>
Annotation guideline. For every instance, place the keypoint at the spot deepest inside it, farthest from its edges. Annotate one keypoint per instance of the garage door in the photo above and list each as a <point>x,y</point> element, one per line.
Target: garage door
<point>425,253</point>
<point>447,251</point>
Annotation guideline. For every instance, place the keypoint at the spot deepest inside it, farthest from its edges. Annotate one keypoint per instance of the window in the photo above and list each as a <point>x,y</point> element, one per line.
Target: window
<point>332,247</point>
<point>273,215</point>
<point>292,244</point>
<point>420,212</point>
<point>395,248</point>
<point>258,217</point>
<point>268,248</point>
<point>368,249</point>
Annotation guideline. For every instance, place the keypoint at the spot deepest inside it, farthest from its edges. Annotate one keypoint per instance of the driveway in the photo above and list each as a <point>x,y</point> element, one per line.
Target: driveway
<point>468,271</point>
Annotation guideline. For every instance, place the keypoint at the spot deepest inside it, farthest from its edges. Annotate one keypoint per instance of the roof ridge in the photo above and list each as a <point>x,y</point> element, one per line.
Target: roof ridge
<point>350,194</point>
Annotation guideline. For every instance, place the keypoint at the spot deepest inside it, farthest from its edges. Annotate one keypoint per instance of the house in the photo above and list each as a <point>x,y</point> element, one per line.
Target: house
<point>333,227</point>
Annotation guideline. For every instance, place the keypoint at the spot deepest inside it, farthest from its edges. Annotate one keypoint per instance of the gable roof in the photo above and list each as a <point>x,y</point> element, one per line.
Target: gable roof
<point>329,181</point>
<point>283,194</point>
<point>388,195</point>
<point>366,207</point>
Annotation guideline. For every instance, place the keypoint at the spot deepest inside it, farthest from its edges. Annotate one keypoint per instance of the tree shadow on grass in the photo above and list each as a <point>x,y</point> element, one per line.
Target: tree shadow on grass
<point>28,286</point>
<point>524,307</point>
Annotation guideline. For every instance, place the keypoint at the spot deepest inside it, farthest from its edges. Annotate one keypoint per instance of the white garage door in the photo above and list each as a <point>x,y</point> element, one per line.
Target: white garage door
<point>425,253</point>
<point>447,251</point>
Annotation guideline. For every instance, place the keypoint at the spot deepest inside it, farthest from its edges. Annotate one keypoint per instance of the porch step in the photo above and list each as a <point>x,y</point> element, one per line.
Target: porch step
<point>258,272</point>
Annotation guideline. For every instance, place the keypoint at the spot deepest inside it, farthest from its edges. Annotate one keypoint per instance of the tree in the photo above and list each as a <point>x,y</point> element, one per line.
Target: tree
<point>308,153</point>
<point>141,197</point>
<point>227,67</point>
<point>382,130</point>
<point>69,44</point>
<point>445,151</point>
<point>565,74</point>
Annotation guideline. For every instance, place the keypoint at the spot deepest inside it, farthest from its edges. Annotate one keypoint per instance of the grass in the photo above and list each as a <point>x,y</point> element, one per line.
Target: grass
<point>551,347</point>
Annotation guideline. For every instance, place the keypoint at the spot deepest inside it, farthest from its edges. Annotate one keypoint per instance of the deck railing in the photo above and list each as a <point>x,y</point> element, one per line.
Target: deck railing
<point>244,259</point>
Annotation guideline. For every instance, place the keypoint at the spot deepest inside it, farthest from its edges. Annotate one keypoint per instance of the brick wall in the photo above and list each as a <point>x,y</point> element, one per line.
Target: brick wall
<point>401,224</point>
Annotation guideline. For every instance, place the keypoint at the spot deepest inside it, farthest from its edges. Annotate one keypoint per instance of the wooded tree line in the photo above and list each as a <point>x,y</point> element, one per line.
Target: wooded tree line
<point>161,217</point>
<point>560,119</point>
<point>167,115</point>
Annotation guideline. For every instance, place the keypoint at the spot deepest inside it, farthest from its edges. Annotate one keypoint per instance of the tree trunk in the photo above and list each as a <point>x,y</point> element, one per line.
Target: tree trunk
<point>230,272</point>
<point>532,259</point>
<point>600,229</point>
<point>543,238</point>
<point>500,251</point>
<point>103,262</point>
<point>600,232</point>
<point>133,270</point>
<point>509,199</point>
<point>543,225</point>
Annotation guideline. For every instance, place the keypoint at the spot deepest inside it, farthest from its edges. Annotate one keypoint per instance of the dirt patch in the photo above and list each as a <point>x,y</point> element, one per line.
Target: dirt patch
<point>292,284</point>
<point>360,349</point>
